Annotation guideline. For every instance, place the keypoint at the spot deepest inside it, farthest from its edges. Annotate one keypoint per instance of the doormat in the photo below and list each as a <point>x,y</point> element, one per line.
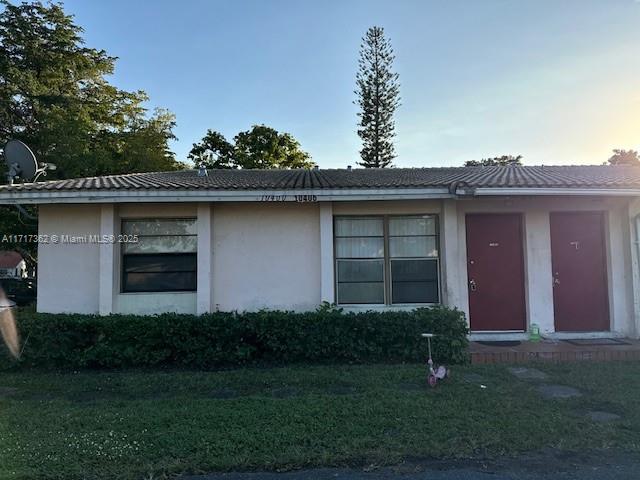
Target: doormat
<point>504,343</point>
<point>596,341</point>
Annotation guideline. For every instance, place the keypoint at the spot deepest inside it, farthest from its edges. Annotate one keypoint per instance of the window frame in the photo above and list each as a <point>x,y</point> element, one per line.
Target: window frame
<point>123,254</point>
<point>387,259</point>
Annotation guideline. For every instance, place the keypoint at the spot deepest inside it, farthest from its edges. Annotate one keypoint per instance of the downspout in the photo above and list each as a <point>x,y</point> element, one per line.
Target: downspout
<point>637,234</point>
<point>636,275</point>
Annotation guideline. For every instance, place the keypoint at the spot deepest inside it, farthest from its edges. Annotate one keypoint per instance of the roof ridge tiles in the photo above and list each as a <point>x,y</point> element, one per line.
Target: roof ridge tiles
<point>563,176</point>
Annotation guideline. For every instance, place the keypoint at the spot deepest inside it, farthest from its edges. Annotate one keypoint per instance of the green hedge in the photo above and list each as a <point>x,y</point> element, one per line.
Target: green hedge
<point>231,339</point>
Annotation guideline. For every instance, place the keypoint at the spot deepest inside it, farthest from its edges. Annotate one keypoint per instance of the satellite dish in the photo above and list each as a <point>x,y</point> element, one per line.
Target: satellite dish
<point>22,163</point>
<point>21,160</point>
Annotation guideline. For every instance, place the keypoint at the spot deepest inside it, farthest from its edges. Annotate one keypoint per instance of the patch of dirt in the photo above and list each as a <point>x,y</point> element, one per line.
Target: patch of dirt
<point>524,373</point>
<point>558,391</point>
<point>473,378</point>
<point>413,386</point>
<point>224,393</point>
<point>94,396</point>
<point>285,392</point>
<point>603,417</point>
<point>342,390</point>
<point>6,392</point>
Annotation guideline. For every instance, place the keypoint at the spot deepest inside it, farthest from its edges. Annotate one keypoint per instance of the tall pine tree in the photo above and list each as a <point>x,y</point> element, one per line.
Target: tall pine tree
<point>378,96</point>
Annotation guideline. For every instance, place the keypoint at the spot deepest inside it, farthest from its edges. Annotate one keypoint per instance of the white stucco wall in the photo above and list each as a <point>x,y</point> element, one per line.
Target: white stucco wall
<point>68,273</point>
<point>395,207</point>
<point>266,255</point>
<point>85,278</point>
<point>280,255</point>
<point>633,216</point>
<point>154,303</point>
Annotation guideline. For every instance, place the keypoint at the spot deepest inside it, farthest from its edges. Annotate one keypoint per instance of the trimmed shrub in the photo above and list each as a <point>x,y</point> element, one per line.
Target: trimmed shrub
<point>230,339</point>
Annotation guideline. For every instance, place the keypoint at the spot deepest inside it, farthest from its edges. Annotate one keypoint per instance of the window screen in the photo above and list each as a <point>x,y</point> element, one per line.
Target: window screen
<point>164,258</point>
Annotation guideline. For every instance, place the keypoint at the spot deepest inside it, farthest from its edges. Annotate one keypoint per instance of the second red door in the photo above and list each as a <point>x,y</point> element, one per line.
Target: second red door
<point>580,291</point>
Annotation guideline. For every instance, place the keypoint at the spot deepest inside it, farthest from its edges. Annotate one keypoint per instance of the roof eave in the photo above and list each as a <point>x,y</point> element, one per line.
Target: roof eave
<point>182,196</point>
<point>557,191</point>
<point>311,195</point>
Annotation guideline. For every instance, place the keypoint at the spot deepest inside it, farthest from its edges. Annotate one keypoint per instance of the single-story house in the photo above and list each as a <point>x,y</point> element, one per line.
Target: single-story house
<point>12,265</point>
<point>555,246</point>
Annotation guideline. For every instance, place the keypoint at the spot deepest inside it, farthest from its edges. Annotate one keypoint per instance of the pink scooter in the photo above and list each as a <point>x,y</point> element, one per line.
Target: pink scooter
<point>436,372</point>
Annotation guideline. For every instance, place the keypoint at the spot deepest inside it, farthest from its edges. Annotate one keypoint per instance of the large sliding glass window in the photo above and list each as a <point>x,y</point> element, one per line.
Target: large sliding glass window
<point>165,257</point>
<point>387,260</point>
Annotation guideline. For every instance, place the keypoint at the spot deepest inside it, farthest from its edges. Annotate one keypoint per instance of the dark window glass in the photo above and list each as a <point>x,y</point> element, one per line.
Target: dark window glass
<point>159,273</point>
<point>414,281</point>
<point>181,262</point>
<point>360,281</point>
<point>360,271</point>
<point>360,292</point>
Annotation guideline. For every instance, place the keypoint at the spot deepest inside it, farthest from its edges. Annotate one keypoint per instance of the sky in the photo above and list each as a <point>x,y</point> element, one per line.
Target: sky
<point>555,81</point>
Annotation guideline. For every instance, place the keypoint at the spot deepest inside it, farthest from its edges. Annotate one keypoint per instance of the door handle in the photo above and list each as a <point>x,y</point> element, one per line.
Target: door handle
<point>472,285</point>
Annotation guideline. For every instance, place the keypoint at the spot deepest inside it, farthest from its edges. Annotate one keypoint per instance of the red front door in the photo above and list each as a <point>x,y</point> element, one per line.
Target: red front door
<point>495,268</point>
<point>580,297</point>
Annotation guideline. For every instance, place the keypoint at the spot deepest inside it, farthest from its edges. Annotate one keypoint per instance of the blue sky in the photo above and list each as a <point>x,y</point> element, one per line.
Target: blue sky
<point>555,81</point>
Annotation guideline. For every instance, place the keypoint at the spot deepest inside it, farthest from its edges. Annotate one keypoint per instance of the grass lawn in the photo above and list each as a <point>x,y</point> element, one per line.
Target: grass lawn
<point>146,424</point>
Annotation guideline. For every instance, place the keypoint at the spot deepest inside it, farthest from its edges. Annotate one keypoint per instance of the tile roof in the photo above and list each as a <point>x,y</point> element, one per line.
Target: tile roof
<point>577,176</point>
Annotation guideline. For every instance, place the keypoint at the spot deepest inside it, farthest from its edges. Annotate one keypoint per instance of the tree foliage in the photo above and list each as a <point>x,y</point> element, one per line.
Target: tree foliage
<point>502,161</point>
<point>378,96</point>
<point>54,96</point>
<point>260,147</point>
<point>624,157</point>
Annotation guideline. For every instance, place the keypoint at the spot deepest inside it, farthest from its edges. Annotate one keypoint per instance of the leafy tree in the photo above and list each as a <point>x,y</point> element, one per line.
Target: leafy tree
<point>54,96</point>
<point>213,150</point>
<point>624,157</point>
<point>378,96</point>
<point>503,161</point>
<point>261,147</point>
